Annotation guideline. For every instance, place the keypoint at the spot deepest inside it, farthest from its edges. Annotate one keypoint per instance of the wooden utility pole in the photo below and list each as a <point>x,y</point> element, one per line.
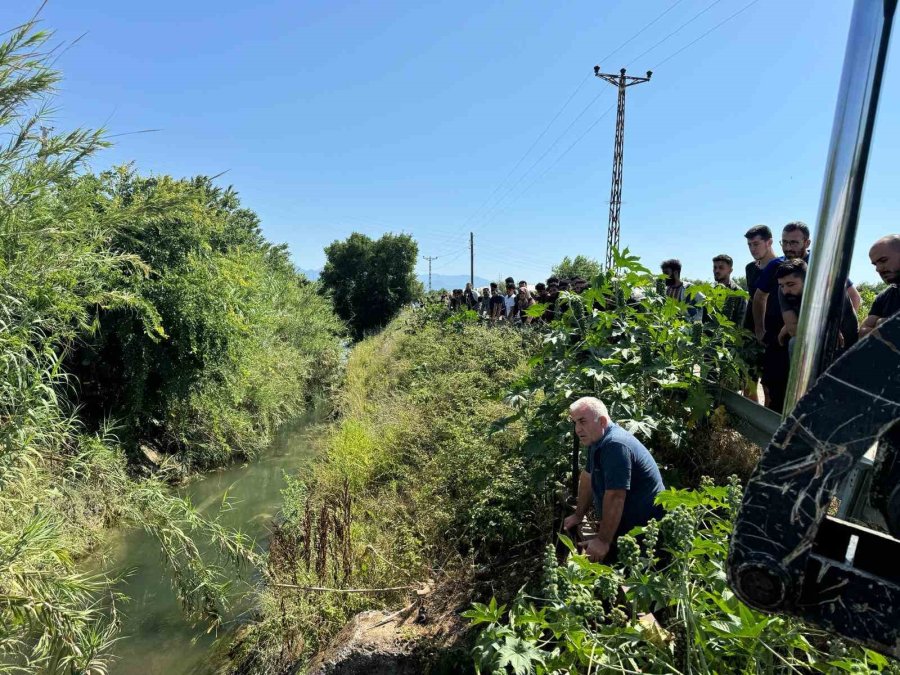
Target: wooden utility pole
<point>615,192</point>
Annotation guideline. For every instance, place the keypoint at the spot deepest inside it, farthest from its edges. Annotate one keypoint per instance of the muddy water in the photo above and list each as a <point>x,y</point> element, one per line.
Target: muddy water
<point>156,637</point>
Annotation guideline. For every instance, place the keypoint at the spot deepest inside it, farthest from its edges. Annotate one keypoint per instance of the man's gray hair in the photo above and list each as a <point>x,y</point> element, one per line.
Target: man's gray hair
<point>593,404</point>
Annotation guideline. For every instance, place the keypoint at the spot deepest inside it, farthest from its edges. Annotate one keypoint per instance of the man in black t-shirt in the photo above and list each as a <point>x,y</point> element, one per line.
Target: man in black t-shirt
<point>885,255</point>
<point>759,242</point>
<point>791,275</point>
<point>496,303</point>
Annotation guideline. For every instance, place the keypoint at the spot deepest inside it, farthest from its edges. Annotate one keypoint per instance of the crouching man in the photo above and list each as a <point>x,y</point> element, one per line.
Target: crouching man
<point>621,479</point>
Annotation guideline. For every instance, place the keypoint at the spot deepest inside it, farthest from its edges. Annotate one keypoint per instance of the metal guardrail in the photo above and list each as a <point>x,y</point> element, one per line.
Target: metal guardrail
<point>755,422</point>
<point>758,424</point>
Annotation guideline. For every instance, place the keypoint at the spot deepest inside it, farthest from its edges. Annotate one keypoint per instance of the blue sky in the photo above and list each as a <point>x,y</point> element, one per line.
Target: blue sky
<point>334,117</point>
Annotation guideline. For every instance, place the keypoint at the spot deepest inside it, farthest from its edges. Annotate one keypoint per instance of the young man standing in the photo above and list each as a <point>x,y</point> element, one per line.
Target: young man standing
<point>736,306</point>
<point>496,303</point>
<point>885,255</point>
<point>621,479</point>
<point>509,302</point>
<point>759,242</point>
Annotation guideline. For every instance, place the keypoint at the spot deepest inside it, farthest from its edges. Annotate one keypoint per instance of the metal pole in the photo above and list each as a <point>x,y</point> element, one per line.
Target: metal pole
<point>845,170</point>
<point>429,259</point>
<point>615,191</point>
<point>472,259</point>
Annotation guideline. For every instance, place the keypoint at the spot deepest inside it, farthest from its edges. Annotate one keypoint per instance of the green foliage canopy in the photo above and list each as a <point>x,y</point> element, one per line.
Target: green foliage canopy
<point>581,266</point>
<point>154,301</point>
<point>370,280</point>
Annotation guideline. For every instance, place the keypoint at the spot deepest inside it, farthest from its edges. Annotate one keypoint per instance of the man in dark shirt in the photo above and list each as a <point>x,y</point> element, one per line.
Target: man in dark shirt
<point>735,306</point>
<point>759,242</point>
<point>791,276</point>
<point>769,319</point>
<point>621,479</point>
<point>885,255</point>
<point>496,303</point>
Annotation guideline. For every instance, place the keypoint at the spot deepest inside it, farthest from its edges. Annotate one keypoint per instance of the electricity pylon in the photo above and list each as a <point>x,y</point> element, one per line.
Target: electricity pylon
<point>615,193</point>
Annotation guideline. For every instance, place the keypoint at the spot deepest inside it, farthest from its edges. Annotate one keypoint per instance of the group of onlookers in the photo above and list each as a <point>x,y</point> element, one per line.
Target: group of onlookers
<point>512,306</point>
<point>775,286</point>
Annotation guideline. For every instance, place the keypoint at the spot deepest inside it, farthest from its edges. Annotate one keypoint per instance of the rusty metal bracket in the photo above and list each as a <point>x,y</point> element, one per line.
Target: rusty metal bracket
<point>787,555</point>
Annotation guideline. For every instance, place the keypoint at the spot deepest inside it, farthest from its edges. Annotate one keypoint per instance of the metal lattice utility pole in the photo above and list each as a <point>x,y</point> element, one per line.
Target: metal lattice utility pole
<point>429,258</point>
<point>472,259</point>
<point>615,192</point>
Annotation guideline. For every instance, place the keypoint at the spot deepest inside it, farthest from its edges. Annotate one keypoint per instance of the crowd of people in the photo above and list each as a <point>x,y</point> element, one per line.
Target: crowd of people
<point>511,306</point>
<point>774,285</point>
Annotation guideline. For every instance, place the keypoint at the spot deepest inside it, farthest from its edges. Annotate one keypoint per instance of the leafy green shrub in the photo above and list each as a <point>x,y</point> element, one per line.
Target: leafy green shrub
<point>624,341</point>
<point>370,280</point>
<point>238,339</point>
<point>588,617</point>
<point>868,291</point>
<point>110,263</point>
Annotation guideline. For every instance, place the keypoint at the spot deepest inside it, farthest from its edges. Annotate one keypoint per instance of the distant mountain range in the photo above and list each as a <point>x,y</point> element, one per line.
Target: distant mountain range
<point>451,281</point>
<point>438,281</point>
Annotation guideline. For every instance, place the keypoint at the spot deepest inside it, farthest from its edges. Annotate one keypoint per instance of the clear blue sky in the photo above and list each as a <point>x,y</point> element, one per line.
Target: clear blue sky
<point>334,117</point>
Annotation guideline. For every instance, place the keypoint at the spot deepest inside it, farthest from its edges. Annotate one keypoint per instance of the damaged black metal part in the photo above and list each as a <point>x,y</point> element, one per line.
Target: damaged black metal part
<point>787,555</point>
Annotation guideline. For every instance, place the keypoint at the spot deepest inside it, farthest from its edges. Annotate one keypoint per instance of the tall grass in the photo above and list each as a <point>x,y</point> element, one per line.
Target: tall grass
<point>132,311</point>
<point>414,448</point>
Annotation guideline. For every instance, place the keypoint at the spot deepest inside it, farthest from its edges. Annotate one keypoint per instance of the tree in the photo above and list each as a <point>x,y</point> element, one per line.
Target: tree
<point>581,266</point>
<point>868,291</point>
<point>370,280</point>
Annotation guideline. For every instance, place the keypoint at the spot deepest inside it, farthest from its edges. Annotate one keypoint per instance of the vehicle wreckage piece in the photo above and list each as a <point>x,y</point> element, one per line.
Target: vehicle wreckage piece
<point>787,555</point>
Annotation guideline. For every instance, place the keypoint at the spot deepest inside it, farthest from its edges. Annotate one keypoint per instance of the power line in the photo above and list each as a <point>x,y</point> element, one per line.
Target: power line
<point>607,111</point>
<point>530,148</point>
<point>628,41</point>
<point>695,41</point>
<point>489,215</point>
<point>560,112</point>
<point>686,23</point>
<point>494,211</point>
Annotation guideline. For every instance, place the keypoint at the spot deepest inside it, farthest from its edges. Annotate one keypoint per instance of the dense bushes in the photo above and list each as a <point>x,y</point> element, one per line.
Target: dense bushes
<point>430,485</point>
<point>586,616</point>
<point>237,339</point>
<point>624,341</point>
<point>131,310</point>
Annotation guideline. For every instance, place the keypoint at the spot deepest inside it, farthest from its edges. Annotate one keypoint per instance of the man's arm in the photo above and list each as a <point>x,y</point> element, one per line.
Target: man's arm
<point>613,505</point>
<point>855,298</point>
<point>582,503</point>
<point>870,324</point>
<point>759,313</point>
<point>790,326</point>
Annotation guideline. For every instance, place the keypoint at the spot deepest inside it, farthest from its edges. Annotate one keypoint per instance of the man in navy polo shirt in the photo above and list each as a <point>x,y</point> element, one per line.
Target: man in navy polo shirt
<point>621,479</point>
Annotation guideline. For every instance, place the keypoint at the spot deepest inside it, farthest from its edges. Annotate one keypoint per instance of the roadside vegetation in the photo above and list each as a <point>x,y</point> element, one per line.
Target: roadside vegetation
<point>444,472</point>
<point>414,480</point>
<point>139,316</point>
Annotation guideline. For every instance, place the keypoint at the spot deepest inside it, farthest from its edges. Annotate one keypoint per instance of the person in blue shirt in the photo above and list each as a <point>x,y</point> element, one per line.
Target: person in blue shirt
<point>621,479</point>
